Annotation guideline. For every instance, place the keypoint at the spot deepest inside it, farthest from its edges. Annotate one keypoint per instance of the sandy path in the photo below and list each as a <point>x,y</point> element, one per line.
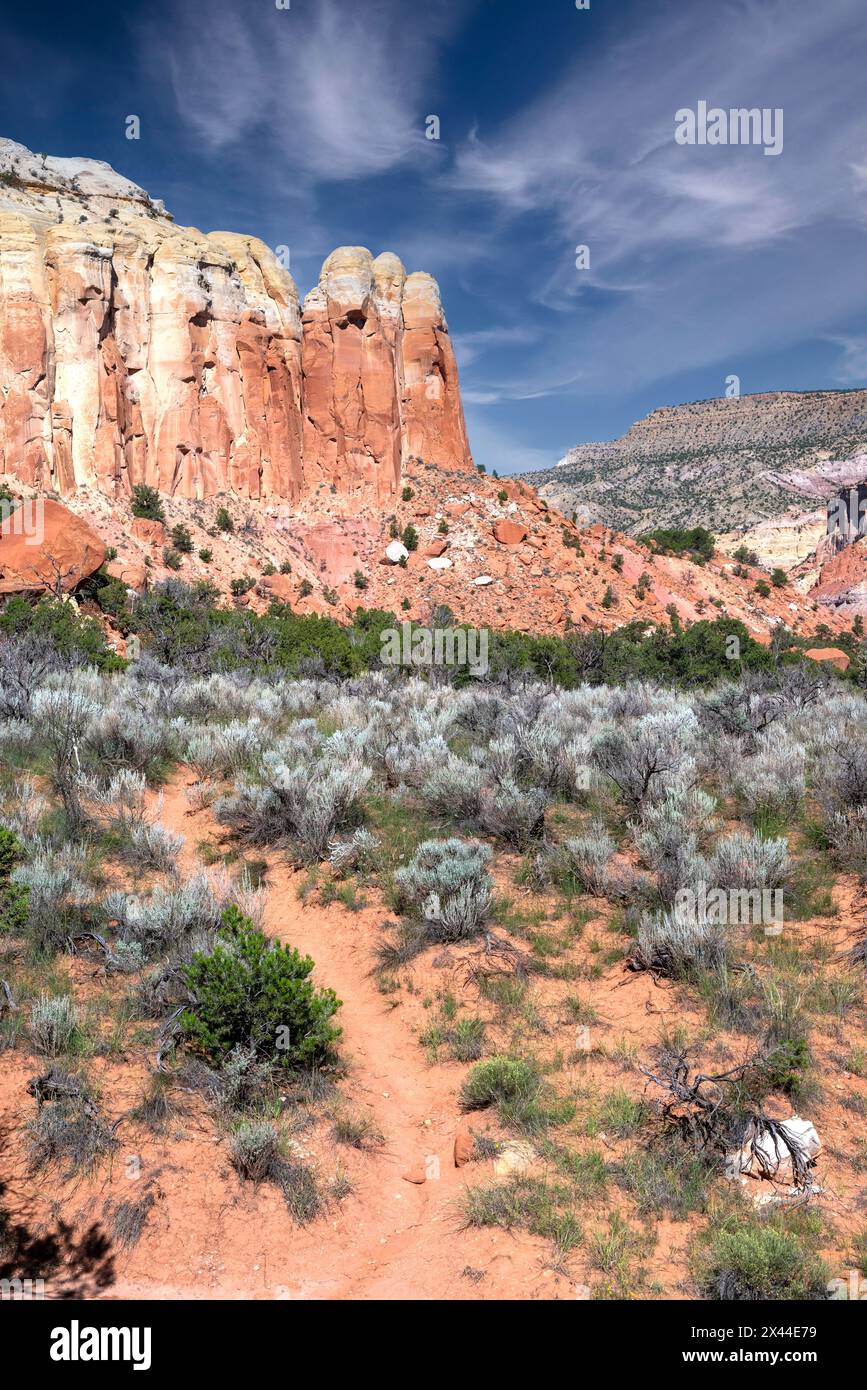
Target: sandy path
<point>391,1239</point>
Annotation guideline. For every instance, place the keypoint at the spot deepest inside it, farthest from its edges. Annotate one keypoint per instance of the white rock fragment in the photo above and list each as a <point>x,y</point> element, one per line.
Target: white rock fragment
<point>772,1157</point>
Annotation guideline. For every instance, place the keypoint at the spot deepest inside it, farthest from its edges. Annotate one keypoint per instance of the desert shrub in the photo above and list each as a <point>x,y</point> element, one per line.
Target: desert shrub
<point>182,540</point>
<point>504,758</point>
<point>357,854</point>
<point>621,1114</point>
<point>61,717</point>
<point>665,1178</point>
<point>525,1203</point>
<point>228,748</point>
<point>253,992</point>
<point>498,1079</point>
<point>305,803</point>
<point>679,943</point>
<point>466,1039</point>
<point>124,735</point>
<point>671,541</point>
<point>300,1191</point>
<point>410,761</point>
<point>69,1130</point>
<point>846,832</point>
<point>223,520</point>
<point>585,860</point>
<point>358,1130</point>
<point>841,772</point>
<point>448,883</point>
<point>749,861</point>
<point>643,759</point>
<point>742,710</point>
<point>54,1024</point>
<point>121,801</point>
<point>554,756</point>
<point>57,896</point>
<point>129,1218</point>
<point>146,503</point>
<point>454,788</point>
<point>773,779</point>
<point>667,838</point>
<point>242,1079</point>
<point>25,809</point>
<point>169,917</point>
<point>13,896</point>
<point>50,636</point>
<point>11,853</point>
<point>127,957</point>
<point>154,846</point>
<point>255,1150</point>
<point>745,1258</point>
<point>513,814</point>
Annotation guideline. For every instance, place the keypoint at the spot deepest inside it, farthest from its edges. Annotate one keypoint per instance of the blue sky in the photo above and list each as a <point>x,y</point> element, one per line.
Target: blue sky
<point>306,127</point>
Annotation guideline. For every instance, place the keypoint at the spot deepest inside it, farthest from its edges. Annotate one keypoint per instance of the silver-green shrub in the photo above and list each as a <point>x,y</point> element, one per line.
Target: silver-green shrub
<point>448,883</point>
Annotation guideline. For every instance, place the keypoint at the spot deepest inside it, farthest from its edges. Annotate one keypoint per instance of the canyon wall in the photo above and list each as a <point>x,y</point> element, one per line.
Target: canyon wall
<point>134,351</point>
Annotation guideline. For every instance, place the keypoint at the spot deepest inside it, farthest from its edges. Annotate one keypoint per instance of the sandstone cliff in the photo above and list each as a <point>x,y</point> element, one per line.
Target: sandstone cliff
<point>133,351</point>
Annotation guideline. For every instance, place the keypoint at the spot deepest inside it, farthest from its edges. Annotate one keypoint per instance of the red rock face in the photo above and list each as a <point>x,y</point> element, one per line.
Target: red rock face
<point>137,352</point>
<point>45,547</point>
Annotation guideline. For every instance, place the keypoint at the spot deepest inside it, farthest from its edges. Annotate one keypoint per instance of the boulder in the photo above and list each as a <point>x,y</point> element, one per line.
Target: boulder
<point>46,548</point>
<point>129,572</point>
<point>151,532</point>
<point>833,655</point>
<point>395,552</point>
<point>482,580</point>
<point>282,587</point>
<point>509,532</point>
<point>439,562</point>
<point>464,1148</point>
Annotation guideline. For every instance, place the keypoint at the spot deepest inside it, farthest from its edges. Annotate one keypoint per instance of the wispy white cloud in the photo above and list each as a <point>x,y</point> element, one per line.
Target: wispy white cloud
<point>470,346</point>
<point>337,87</point>
<point>853,359</point>
<point>698,255</point>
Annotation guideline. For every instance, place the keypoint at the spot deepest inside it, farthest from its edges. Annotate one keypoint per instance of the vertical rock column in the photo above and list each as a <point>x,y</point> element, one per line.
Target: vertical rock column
<point>351,401</point>
<point>433,416</point>
<point>25,384</point>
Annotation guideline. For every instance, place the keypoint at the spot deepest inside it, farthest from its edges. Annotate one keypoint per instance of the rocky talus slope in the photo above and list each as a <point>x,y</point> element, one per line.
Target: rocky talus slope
<point>134,351</point>
<point>726,464</point>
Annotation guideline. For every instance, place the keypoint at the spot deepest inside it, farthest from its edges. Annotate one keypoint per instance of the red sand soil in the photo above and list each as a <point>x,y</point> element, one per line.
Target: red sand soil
<point>210,1236</point>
